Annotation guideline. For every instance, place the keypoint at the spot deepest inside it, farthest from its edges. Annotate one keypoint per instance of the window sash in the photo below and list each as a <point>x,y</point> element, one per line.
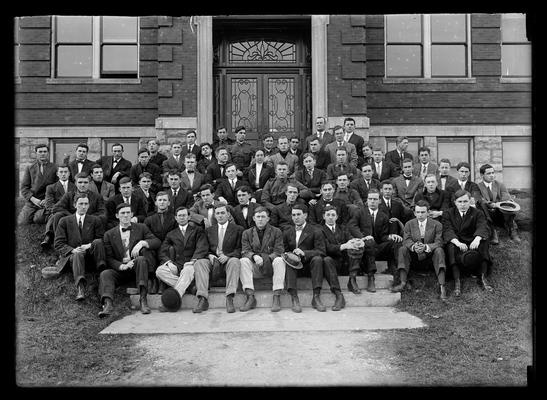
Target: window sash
<point>516,50</point>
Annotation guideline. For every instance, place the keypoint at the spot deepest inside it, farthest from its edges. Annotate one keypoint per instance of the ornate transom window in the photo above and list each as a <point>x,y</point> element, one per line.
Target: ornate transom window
<point>262,51</point>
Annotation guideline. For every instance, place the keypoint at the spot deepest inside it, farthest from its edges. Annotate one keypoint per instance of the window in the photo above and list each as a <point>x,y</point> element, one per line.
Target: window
<point>413,145</point>
<point>427,46</point>
<point>17,47</point>
<point>456,150</point>
<point>517,163</point>
<point>63,150</point>
<point>96,47</point>
<point>516,50</point>
<point>130,148</point>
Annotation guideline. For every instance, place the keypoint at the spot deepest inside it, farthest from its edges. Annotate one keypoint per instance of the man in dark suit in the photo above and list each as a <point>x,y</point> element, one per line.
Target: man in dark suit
<point>174,162</point>
<point>227,188</point>
<point>406,185</point>
<point>438,200</point>
<point>322,157</point>
<point>207,157</point>
<point>382,169</point>
<point>365,182</point>
<point>202,211</point>
<point>465,229</point>
<point>261,249</point>
<point>80,162</point>
<point>310,176</point>
<point>182,248</point>
<point>144,165</point>
<point>274,192</point>
<point>282,213</point>
<point>241,151</point>
<point>244,211</point>
<point>99,185</point>
<point>331,148</point>
<point>321,134</point>
<point>341,165</point>
<point>156,157</point>
<point>126,195</point>
<point>143,191</point>
<point>464,183</point>
<point>351,137</point>
<point>445,180</point>
<point>191,147</point>
<point>258,174</point>
<point>223,259</point>
<point>54,192</point>
<point>160,223</point>
<point>79,241</point>
<point>422,242</point>
<point>178,197</point>
<point>222,139</point>
<point>115,166</point>
<point>372,226</point>
<point>393,207</point>
<point>190,179</point>
<point>294,146</point>
<point>425,166</point>
<point>215,171</point>
<point>123,245</point>
<point>306,241</point>
<point>399,154</point>
<point>37,177</point>
<point>317,206</point>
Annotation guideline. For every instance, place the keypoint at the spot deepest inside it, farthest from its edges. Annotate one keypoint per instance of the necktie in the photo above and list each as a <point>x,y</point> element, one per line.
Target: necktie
<point>368,184</point>
<point>346,137</point>
<point>161,219</point>
<point>220,238</point>
<point>422,229</point>
<point>333,230</point>
<point>490,194</point>
<point>126,200</point>
<point>424,170</point>
<point>42,169</point>
<point>221,170</point>
<point>389,204</point>
<point>80,225</point>
<point>189,149</point>
<point>233,184</point>
<point>114,163</point>
<point>378,170</point>
<point>64,186</point>
<point>373,215</point>
<point>175,192</point>
<point>319,135</point>
<point>463,186</point>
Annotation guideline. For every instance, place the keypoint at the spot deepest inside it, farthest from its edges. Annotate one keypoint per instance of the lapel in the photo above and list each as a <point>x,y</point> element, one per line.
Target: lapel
<point>305,233</point>
<point>495,190</point>
<point>74,221</point>
<point>266,237</point>
<point>185,237</point>
<point>255,240</point>
<point>132,235</point>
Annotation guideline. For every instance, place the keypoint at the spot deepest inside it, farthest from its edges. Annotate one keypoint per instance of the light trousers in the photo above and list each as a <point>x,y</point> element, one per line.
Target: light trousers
<point>202,270</point>
<point>249,269</point>
<point>170,275</point>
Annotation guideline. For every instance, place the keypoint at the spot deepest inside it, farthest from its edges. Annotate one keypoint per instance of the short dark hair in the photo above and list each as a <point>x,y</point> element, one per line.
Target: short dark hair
<point>145,175</point>
<point>328,183</point>
<point>79,195</point>
<point>302,207</point>
<point>189,156</point>
<point>386,182</point>
<point>122,205</point>
<point>220,127</point>
<point>162,193</point>
<point>219,148</point>
<point>39,146</point>
<point>81,175</point>
<point>191,131</point>
<point>173,172</point>
<point>466,165</point>
<point>484,167</point>
<point>341,173</point>
<point>366,165</point>
<point>84,145</point>
<point>125,179</point>
<point>181,208</point>
<point>206,144</point>
<point>400,139</point>
<point>262,209</point>
<point>293,185</point>
<point>342,148</point>
<point>206,186</point>
<point>348,119</point>
<point>245,189</point>
<point>407,160</point>
<point>373,190</point>
<point>313,139</point>
<point>117,144</point>
<point>267,135</point>
<point>306,155</point>
<point>95,166</point>
<point>240,128</point>
<point>294,137</point>
<point>228,165</point>
<point>337,127</point>
<point>445,160</point>
<point>143,150</point>
<point>282,162</point>
<point>424,148</point>
<point>221,205</point>
<point>461,192</point>
<point>330,208</point>
<point>63,166</point>
<point>422,203</point>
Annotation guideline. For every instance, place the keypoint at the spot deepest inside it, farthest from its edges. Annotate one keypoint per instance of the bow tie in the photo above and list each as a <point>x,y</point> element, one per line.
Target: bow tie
<point>126,229</point>
<point>444,176</point>
<point>245,206</point>
<point>209,206</point>
<point>80,162</point>
<point>407,177</point>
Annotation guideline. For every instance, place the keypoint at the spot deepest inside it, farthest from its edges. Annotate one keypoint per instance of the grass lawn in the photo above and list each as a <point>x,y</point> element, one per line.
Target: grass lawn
<point>479,339</point>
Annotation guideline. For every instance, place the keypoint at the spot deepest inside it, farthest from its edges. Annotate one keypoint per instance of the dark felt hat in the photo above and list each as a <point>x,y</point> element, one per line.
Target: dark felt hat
<point>170,299</point>
<point>508,207</point>
<point>292,260</point>
<point>470,259</point>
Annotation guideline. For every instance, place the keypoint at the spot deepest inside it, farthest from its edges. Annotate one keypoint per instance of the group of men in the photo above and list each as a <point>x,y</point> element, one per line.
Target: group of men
<point>230,211</point>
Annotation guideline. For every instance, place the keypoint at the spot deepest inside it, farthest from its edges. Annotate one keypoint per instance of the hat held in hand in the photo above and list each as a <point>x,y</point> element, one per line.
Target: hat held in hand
<point>292,260</point>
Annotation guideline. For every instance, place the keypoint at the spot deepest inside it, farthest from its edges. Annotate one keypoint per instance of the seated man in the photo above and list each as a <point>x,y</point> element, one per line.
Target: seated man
<point>179,251</point>
<point>123,245</point>
<point>465,230</point>
<point>226,191</point>
<point>285,155</point>
<point>348,197</point>
<point>178,197</point>
<point>258,173</point>
<point>372,226</point>
<point>223,259</point>
<point>438,200</point>
<point>261,250</point>
<point>156,156</point>
<point>397,213</point>
<point>310,176</point>
<point>364,182</point>
<point>143,191</point>
<point>160,223</point>
<point>244,211</point>
<point>144,165</point>
<point>424,166</point>
<point>99,185</point>
<point>215,170</point>
<point>203,210</point>
<point>422,241</point>
<point>492,192</point>
<point>464,183</point>
<point>175,162</point>
<point>207,157</point>
<point>305,241</point>
<point>332,148</point>
<point>445,180</point>
<point>281,216</point>
<point>190,179</point>
<point>382,169</point>
<point>316,208</point>
<point>126,195</point>
<point>274,190</point>
<point>79,241</point>
<point>322,157</point>
<point>341,165</point>
<point>406,185</point>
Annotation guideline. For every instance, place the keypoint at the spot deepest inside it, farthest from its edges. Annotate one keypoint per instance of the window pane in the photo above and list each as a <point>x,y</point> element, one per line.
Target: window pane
<point>74,29</point>
<point>513,28</point>
<point>516,60</point>
<point>244,103</point>
<point>404,60</point>
<point>119,29</point>
<point>281,105</point>
<point>448,60</point>
<point>448,28</point>
<point>130,148</point>
<point>74,61</point>
<point>517,153</point>
<point>413,146</point>
<point>456,152</point>
<point>517,177</point>
<point>64,151</point>
<point>119,59</point>
<point>404,28</point>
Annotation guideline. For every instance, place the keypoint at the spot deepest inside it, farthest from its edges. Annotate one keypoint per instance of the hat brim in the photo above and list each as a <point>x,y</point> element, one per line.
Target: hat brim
<point>508,207</point>
<point>171,299</point>
<point>50,273</point>
<point>290,263</point>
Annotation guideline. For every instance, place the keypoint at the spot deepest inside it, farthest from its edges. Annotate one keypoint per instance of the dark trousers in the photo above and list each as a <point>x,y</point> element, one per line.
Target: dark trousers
<point>408,258</point>
<point>55,221</point>
<point>152,258</point>
<point>496,218</point>
<point>92,257</point>
<point>314,267</point>
<point>367,260</point>
<point>452,252</point>
<point>330,267</point>
<point>388,251</point>
<point>110,278</point>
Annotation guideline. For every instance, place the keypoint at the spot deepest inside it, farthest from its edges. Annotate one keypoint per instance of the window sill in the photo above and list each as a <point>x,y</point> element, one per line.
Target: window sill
<point>80,81</point>
<point>507,79</point>
<point>17,80</point>
<point>429,80</point>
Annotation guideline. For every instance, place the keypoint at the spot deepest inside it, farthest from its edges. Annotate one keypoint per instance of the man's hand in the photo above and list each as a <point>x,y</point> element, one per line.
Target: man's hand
<point>253,200</point>
<point>435,213</point>
<point>77,250</point>
<point>172,267</point>
<point>126,266</point>
<point>223,258</point>
<point>222,200</point>
<point>258,260</point>
<point>368,237</point>
<point>239,173</point>
<point>393,219</point>
<point>212,258</point>
<point>138,247</point>
<point>115,177</point>
<point>312,202</point>
<point>299,252</point>
<point>460,245</point>
<point>419,247</point>
<point>134,219</point>
<point>475,243</point>
<point>36,202</point>
<point>395,238</point>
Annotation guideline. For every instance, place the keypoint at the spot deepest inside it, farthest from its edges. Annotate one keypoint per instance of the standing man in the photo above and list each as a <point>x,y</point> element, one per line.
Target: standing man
<point>425,166</point>
<point>322,157</point>
<point>174,162</point>
<point>445,180</point>
<point>351,137</point>
<point>191,146</point>
<point>144,165</point>
<point>115,166</point>
<point>422,241</point>
<point>223,259</point>
<point>191,180</point>
<point>320,133</point>
<point>222,139</point>
<point>382,170</point>
<point>244,211</point>
<point>80,162</point>
<point>261,250</point>
<point>365,182</point>
<point>399,154</point>
<point>241,151</point>
<point>492,192</point>
<point>332,147</point>
<point>79,241</point>
<point>123,244</point>
<point>180,250</point>
<point>207,157</point>
<point>37,177</point>
<point>284,154</point>
<point>98,185</point>
<point>465,234</point>
<point>135,202</point>
<point>406,185</point>
<point>305,241</point>
<point>156,157</point>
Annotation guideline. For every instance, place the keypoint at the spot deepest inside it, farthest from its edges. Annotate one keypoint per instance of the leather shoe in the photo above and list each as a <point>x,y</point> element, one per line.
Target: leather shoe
<point>250,303</point>
<point>107,309</point>
<point>371,287</point>
<point>296,304</point>
<point>340,302</point>
<point>161,287</point>
<point>230,304</point>
<point>153,289</point>
<point>317,304</point>
<point>203,305</point>
<point>276,303</point>
<point>398,288</point>
<point>192,289</point>
<point>457,288</point>
<point>494,238</point>
<point>352,285</point>
<point>46,243</point>
<point>514,235</point>
<point>144,306</point>
<point>162,308</point>
<point>485,285</point>
<point>443,293</point>
<point>81,293</point>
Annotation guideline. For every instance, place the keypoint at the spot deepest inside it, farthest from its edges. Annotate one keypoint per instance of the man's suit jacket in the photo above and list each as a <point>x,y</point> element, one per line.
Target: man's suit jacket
<point>361,225</point>
<point>34,183</point>
<point>123,166</point>
<point>68,237</point>
<point>266,173</point>
<point>406,193</point>
<point>113,244</point>
<point>327,138</point>
<point>387,173</point>
<point>333,241</point>
<point>281,216</point>
<point>96,205</point>
<point>433,233</point>
<point>55,191</point>
<point>199,212</point>
<point>335,168</point>
<point>360,185</point>
<point>499,192</point>
<point>199,180</point>
<point>311,242</point>
<point>203,163</point>
<point>170,164</point>
<point>183,199</point>
<point>314,182</point>
<point>226,143</point>
<point>351,151</point>
<point>397,210</point>
<point>196,150</point>
<point>193,245</point>
<point>270,247</point>
<point>432,168</point>
<point>213,173</point>
<point>138,207</point>
<point>240,220</point>
<point>231,245</point>
<point>107,189</point>
<point>439,200</point>
<point>149,202</point>
<point>86,167</point>
<point>224,189</point>
<point>394,158</point>
<point>473,224</point>
<point>358,142</point>
<point>315,212</point>
<point>453,186</point>
<point>322,159</point>
<point>153,222</point>
<point>153,169</point>
<point>290,159</point>
<point>450,181</point>
<point>158,159</point>
<point>274,191</point>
